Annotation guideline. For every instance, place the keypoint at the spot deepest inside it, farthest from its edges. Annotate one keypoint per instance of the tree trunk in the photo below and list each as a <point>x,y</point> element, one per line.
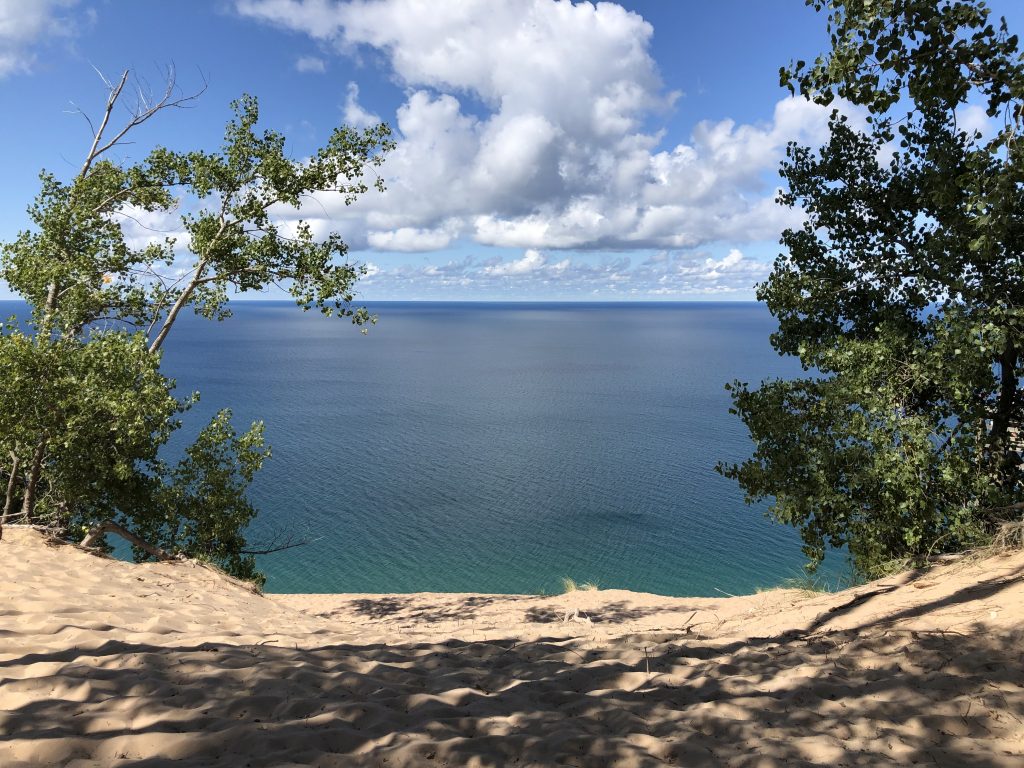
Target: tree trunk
<point>1006,405</point>
<point>181,302</point>
<point>9,498</point>
<point>50,308</point>
<point>108,526</point>
<point>28,502</point>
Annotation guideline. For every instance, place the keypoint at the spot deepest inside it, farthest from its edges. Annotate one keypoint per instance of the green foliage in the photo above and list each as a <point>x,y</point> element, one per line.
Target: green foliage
<point>901,294</point>
<point>200,505</point>
<point>100,404</point>
<point>84,409</point>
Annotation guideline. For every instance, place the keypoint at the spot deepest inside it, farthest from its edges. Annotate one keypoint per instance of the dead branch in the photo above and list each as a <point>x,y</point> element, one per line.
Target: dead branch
<point>145,107</point>
<point>1008,508</point>
<point>108,526</point>
<point>277,543</point>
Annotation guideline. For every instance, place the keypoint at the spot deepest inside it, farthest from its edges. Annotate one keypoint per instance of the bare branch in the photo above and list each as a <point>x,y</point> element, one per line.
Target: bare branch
<point>278,543</point>
<point>112,97</point>
<point>79,111</point>
<point>1007,508</point>
<point>140,224</point>
<point>108,526</point>
<point>106,82</point>
<point>144,109</point>
<point>230,276</point>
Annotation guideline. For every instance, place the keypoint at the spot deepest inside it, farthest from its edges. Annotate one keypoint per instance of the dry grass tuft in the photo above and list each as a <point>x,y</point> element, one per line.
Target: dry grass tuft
<point>815,584</point>
<point>570,585</point>
<point>1009,537</point>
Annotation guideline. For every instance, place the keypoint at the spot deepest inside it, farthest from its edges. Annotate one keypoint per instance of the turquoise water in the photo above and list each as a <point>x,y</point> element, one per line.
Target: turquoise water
<point>498,447</point>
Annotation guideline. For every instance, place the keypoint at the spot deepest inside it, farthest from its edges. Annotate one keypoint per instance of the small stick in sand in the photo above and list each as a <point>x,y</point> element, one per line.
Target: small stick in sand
<point>686,624</point>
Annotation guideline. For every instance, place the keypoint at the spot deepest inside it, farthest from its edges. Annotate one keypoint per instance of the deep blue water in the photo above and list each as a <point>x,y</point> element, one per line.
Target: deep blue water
<point>497,447</point>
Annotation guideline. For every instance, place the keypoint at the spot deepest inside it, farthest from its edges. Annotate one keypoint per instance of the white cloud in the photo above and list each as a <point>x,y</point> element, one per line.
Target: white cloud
<point>532,261</point>
<point>142,227</point>
<point>665,275</point>
<point>354,114</point>
<point>974,117</point>
<point>557,156</point>
<point>26,23</point>
<point>316,18</point>
<point>412,239</point>
<point>310,64</point>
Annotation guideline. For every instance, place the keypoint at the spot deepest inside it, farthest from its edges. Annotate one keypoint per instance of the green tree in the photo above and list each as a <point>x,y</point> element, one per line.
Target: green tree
<point>84,409</point>
<point>902,294</point>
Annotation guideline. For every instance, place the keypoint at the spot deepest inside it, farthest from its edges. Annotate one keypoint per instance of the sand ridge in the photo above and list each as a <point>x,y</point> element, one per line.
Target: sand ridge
<point>107,663</point>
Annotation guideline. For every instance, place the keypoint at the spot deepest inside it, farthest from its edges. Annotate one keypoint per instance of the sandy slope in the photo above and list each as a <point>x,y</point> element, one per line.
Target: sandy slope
<point>105,663</point>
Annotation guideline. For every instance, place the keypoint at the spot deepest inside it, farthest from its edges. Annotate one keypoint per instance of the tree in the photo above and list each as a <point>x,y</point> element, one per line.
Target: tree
<point>902,294</point>
<point>85,409</point>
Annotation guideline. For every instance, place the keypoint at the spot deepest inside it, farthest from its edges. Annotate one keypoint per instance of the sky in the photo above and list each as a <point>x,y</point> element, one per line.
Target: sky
<point>546,150</point>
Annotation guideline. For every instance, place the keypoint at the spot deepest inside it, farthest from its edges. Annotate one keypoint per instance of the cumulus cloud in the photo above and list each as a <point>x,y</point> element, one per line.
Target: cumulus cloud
<point>27,23</point>
<point>412,239</point>
<point>354,114</point>
<point>310,64</point>
<point>142,228</point>
<point>523,126</point>
<point>533,274</point>
<point>531,262</point>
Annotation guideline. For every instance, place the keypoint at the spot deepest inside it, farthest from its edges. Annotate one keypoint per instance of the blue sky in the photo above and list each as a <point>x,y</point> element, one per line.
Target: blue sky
<point>547,151</point>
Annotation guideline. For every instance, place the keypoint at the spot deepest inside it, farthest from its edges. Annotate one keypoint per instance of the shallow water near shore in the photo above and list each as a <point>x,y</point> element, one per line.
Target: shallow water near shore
<point>489,447</point>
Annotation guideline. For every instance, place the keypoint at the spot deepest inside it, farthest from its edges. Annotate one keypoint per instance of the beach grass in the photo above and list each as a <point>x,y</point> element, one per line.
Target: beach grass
<point>571,585</point>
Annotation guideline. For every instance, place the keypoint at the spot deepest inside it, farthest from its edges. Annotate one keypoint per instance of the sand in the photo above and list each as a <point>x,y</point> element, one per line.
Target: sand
<point>107,663</point>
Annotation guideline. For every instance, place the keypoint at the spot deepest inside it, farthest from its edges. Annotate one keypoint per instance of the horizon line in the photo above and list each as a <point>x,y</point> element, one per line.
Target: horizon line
<point>356,302</point>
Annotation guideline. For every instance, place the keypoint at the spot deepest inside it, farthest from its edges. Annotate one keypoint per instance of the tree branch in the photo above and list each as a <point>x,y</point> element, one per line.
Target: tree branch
<point>182,300</point>
<point>108,526</point>
<point>277,543</point>
<point>112,97</point>
<point>139,115</point>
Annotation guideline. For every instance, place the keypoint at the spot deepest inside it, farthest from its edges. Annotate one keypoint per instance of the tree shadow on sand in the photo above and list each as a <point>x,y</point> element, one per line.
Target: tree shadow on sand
<point>408,609</point>
<point>618,612</point>
<point>868,695</point>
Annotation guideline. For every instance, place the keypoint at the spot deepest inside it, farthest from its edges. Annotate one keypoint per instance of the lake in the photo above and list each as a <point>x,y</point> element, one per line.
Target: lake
<point>493,447</point>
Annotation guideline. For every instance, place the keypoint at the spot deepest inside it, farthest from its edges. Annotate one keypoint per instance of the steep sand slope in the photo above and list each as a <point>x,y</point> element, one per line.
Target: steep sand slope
<point>106,663</point>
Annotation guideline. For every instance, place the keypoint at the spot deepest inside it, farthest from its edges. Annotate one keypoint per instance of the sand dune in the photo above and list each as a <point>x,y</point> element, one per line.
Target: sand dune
<point>107,663</point>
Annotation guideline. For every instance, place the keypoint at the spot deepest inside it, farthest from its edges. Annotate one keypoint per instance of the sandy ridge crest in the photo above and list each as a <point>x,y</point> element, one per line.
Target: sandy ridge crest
<point>106,663</point>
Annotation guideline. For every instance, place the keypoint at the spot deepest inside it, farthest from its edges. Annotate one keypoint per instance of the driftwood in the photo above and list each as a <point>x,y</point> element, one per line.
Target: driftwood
<point>108,526</point>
